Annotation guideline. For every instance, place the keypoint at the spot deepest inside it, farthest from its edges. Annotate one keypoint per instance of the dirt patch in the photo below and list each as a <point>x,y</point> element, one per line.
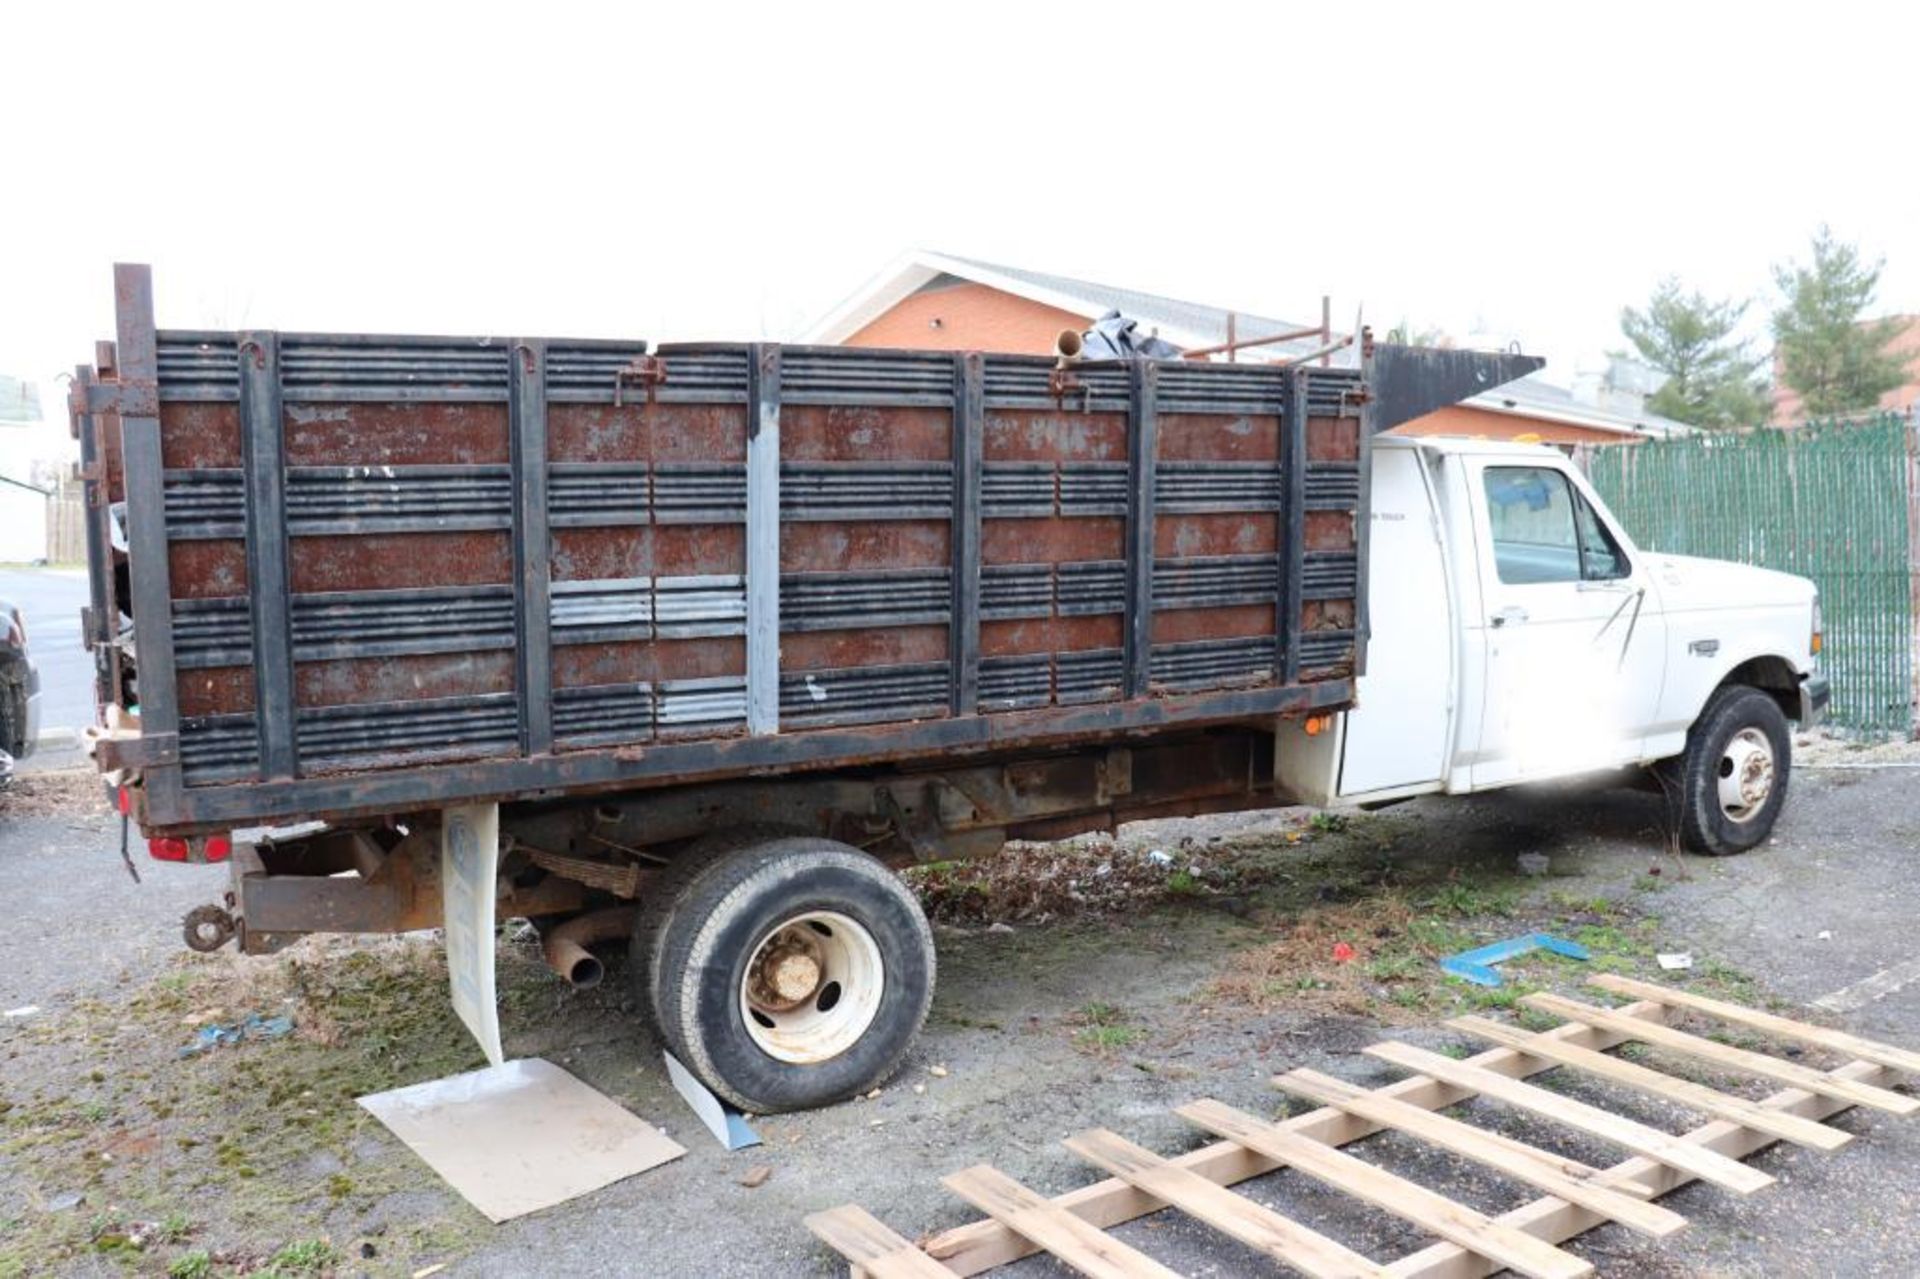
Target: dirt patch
<point>254,1156</point>
<point>66,792</point>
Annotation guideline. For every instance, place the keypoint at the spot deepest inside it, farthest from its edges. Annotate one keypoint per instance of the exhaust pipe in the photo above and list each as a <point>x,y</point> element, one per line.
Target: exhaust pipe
<point>566,944</point>
<point>1067,344</point>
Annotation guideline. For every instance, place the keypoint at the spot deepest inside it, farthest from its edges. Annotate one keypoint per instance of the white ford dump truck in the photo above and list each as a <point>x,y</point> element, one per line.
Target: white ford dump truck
<point>1519,636</point>
<point>685,647</point>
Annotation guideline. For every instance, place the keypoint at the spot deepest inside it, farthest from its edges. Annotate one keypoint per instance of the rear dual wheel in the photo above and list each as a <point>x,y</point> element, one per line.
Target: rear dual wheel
<point>785,972</point>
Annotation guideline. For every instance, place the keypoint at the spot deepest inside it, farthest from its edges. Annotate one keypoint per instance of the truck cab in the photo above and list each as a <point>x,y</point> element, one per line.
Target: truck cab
<point>1517,634</point>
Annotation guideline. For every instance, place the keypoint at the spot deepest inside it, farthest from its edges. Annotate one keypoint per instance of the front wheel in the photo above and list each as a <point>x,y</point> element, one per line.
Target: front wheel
<point>1732,780</point>
<point>789,973</point>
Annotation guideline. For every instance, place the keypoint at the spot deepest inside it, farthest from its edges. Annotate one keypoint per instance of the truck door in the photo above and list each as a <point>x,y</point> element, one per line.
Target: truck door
<point>1573,644</point>
<point>1400,735</point>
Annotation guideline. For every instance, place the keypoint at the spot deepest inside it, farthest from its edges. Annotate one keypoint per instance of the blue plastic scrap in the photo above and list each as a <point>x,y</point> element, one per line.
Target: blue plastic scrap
<point>253,1027</point>
<point>1477,965</point>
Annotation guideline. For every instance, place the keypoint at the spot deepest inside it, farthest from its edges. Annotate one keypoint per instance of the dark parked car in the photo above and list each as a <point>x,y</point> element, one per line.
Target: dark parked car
<point>19,690</point>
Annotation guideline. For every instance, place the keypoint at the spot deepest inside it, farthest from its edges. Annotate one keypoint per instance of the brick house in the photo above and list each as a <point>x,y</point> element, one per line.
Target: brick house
<point>938,301</point>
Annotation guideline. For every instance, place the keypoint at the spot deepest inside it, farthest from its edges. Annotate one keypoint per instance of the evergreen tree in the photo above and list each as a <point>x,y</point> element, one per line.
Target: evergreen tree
<point>1837,362</point>
<point>1711,375</point>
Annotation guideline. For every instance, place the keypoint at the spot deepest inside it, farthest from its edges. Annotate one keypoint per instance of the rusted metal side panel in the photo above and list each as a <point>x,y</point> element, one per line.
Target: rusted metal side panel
<point>533,556</point>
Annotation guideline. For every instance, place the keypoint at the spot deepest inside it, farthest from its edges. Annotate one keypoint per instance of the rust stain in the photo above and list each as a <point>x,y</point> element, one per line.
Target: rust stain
<point>834,650</point>
<point>1046,435</point>
<point>698,432</point>
<point>646,661</point>
<point>859,433</point>
<point>195,434</point>
<point>662,550</point>
<point>1178,625</point>
<point>1210,437</point>
<point>840,546</point>
<point>1327,615</point>
<point>1329,530</point>
<point>219,690</point>
<point>1053,540</point>
<point>597,433</point>
<point>1333,439</point>
<point>395,560</point>
<point>1051,635</point>
<point>395,434</point>
<point>413,677</point>
<point>207,570</point>
<point>1186,536</point>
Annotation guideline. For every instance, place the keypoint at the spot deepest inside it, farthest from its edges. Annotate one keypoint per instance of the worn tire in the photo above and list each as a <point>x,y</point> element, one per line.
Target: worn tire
<point>1705,824</point>
<point>12,719</point>
<point>718,917</point>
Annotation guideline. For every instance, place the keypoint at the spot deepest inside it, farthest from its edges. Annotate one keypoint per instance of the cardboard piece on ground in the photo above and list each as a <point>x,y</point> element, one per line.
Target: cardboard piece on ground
<point>521,1136</point>
<point>469,864</point>
<point>728,1126</point>
<point>1676,960</point>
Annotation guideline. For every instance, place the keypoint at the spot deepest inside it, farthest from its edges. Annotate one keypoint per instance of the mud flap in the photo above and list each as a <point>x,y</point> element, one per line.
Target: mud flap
<point>469,866</point>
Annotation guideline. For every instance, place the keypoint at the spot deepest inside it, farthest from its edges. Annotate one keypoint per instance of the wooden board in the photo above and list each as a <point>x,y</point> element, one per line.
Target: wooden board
<point>1255,1225</point>
<point>1802,1132</point>
<point>1785,1027</point>
<point>1085,1248</point>
<point>1452,1221</point>
<point>981,1245</point>
<point>1556,1219</point>
<point>868,1243</point>
<point>1635,1136</point>
<point>1568,1178</point>
<point>1739,1059</point>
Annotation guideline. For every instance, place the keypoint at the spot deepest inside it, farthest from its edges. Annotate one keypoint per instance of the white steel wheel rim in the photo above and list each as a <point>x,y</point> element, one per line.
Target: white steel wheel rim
<point>1746,775</point>
<point>812,987</point>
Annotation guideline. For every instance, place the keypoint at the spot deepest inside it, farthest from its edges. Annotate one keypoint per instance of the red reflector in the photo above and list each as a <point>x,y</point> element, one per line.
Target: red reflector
<point>167,850</point>
<point>219,848</point>
<point>126,803</point>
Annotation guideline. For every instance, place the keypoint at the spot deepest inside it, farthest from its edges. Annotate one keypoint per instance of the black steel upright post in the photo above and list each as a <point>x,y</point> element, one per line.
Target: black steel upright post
<point>138,364</point>
<point>1293,524</point>
<point>264,472</point>
<point>532,552</point>
<point>1143,433</point>
<point>969,430</point>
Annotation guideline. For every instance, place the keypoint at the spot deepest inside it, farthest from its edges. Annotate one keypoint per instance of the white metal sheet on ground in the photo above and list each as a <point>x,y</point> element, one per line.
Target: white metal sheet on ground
<point>521,1136</point>
<point>469,863</point>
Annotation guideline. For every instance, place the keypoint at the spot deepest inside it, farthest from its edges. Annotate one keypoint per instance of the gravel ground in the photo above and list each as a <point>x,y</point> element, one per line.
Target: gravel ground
<point>1037,1033</point>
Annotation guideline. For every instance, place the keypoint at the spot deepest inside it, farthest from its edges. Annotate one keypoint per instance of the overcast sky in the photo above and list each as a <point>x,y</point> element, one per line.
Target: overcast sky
<point>690,172</point>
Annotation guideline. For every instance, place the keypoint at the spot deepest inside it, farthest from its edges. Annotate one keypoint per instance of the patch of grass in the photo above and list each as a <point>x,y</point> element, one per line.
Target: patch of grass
<point>1328,823</point>
<point>1183,883</point>
<point>307,1257</point>
<point>1104,1028</point>
<point>197,1264</point>
<point>1648,883</point>
<point>1107,1038</point>
<point>1474,900</point>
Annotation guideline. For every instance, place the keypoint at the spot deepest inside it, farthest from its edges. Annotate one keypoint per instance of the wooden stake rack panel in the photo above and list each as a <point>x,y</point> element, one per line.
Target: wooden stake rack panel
<point>1575,1197</point>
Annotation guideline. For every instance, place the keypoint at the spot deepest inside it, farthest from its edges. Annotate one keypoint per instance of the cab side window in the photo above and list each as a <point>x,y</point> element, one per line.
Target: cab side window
<point>1543,531</point>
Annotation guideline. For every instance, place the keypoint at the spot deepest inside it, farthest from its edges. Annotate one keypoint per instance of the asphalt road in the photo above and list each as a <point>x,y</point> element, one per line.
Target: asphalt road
<point>51,599</point>
<point>1825,907</point>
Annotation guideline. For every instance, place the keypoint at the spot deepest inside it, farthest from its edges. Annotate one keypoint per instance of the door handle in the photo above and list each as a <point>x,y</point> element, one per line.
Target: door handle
<point>1511,615</point>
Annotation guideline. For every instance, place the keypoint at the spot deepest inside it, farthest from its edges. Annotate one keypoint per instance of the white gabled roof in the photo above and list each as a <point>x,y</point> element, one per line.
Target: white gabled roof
<point>1185,324</point>
<point>1529,397</point>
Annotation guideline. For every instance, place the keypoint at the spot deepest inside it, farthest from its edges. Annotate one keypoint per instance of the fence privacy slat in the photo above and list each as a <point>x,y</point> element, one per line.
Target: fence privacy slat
<point>1832,502</point>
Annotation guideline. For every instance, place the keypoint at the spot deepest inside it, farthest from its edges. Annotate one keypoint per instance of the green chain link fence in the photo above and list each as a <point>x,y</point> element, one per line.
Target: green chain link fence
<point>1833,502</point>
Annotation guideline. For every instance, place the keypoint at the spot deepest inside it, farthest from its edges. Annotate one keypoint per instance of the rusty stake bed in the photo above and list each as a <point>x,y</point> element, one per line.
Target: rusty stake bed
<point>692,621</point>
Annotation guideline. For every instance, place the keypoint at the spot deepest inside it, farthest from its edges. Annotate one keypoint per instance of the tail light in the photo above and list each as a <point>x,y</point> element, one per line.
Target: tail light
<point>200,848</point>
<point>16,629</point>
<point>1814,642</point>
